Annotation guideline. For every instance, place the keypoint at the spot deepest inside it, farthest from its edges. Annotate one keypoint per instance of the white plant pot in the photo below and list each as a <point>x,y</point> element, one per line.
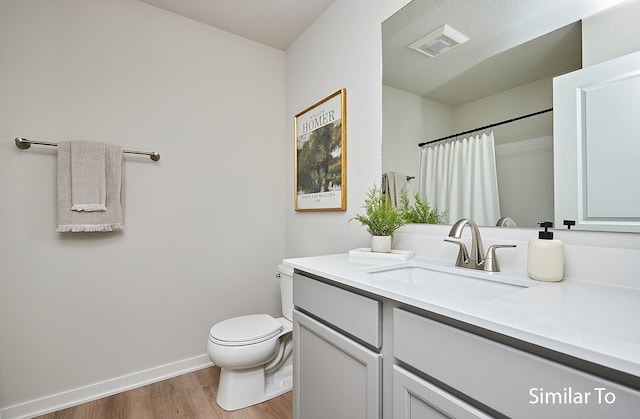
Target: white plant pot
<point>381,244</point>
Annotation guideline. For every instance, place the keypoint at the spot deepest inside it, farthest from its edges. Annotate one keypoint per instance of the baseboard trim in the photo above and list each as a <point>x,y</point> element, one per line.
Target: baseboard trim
<point>105,388</point>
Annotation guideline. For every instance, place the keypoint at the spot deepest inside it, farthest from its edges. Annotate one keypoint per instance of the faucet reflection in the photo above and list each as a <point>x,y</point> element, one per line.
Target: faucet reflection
<point>475,260</point>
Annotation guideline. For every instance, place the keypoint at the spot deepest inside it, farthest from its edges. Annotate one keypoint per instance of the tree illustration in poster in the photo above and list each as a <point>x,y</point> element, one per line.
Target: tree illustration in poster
<point>321,155</point>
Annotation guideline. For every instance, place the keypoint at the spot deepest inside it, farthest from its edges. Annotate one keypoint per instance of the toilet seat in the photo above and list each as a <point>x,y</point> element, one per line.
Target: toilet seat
<point>245,330</point>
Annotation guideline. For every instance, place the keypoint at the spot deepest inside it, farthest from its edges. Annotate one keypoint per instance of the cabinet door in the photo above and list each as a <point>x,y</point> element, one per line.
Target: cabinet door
<point>334,377</point>
<point>415,398</point>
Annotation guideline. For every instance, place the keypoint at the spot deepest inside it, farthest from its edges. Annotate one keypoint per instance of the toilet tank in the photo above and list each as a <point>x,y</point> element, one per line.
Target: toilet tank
<point>286,290</point>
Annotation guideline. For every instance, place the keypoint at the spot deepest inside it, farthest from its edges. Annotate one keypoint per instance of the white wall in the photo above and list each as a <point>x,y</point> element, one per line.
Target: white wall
<point>402,131</point>
<point>611,33</point>
<point>525,180</point>
<point>204,225</point>
<point>408,120</point>
<point>511,103</point>
<point>341,49</point>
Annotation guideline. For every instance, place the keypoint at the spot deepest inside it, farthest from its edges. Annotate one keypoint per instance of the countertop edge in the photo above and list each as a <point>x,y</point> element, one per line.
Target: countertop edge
<point>318,266</point>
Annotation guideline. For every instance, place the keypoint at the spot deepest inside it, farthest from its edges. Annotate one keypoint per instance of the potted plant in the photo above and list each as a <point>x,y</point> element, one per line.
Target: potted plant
<point>380,218</point>
<point>420,212</point>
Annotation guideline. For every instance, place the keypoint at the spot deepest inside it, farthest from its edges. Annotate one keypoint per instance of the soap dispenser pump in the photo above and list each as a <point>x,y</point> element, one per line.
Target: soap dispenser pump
<point>545,260</point>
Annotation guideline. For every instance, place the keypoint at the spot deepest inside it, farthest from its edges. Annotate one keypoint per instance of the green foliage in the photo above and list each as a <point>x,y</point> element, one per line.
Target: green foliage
<point>320,160</point>
<point>420,212</point>
<point>380,217</point>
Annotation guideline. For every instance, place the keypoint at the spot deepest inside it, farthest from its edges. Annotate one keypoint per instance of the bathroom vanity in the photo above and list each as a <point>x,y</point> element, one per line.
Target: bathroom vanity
<point>416,339</point>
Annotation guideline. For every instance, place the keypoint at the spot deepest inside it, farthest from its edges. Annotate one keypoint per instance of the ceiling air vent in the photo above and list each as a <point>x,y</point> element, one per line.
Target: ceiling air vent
<point>438,41</point>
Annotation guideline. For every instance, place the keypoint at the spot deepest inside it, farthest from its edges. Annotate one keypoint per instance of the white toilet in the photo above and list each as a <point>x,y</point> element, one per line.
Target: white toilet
<point>254,353</point>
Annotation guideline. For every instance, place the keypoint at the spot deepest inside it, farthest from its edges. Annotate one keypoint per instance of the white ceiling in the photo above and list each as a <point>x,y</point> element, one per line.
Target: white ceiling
<point>276,23</point>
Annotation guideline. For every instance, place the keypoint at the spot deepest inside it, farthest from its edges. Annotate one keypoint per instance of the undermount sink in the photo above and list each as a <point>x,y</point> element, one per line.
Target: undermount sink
<point>421,279</point>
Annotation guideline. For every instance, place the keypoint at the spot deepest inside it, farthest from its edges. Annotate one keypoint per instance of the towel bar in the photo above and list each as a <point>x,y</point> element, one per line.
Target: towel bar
<point>23,144</point>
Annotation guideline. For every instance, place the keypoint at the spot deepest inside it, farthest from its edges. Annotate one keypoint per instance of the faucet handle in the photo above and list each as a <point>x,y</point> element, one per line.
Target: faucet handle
<point>463,254</point>
<point>491,261</point>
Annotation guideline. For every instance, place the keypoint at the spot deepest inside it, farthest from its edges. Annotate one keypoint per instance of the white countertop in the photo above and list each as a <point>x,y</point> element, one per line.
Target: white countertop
<point>594,322</point>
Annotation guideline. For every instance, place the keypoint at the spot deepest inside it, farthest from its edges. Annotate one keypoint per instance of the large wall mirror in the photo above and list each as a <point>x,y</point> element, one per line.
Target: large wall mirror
<point>504,71</point>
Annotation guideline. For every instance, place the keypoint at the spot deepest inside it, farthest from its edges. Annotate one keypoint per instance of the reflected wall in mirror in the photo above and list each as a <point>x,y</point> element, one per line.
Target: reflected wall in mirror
<point>504,71</point>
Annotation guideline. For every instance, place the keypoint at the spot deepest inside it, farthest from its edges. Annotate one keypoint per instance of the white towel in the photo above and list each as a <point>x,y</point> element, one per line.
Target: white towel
<point>88,176</point>
<point>76,221</point>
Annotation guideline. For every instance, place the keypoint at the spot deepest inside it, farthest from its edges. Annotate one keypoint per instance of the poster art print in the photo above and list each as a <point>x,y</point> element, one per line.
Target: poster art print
<point>320,155</point>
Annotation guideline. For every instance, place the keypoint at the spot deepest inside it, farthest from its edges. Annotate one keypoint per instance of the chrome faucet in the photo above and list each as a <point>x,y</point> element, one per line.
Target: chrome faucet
<point>475,260</point>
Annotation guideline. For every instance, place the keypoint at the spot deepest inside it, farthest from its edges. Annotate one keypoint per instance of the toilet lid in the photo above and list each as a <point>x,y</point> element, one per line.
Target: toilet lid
<point>245,330</point>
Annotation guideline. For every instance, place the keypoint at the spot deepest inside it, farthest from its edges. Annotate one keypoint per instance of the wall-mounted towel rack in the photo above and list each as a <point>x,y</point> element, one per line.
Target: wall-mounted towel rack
<point>23,143</point>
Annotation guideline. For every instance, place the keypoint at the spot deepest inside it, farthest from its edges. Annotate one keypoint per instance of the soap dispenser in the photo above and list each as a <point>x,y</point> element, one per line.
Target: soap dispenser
<point>545,260</point>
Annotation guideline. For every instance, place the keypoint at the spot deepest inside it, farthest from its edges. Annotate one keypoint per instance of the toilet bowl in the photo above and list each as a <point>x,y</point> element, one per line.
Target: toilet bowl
<point>254,353</point>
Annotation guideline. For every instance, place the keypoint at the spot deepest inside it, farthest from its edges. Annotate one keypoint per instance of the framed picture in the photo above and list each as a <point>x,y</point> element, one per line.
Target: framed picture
<point>321,161</point>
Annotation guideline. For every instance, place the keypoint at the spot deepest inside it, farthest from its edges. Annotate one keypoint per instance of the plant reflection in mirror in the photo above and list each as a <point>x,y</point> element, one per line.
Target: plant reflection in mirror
<point>420,212</point>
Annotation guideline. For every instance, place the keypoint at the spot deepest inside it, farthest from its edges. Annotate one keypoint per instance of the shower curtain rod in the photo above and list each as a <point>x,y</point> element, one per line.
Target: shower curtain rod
<point>23,144</point>
<point>486,127</point>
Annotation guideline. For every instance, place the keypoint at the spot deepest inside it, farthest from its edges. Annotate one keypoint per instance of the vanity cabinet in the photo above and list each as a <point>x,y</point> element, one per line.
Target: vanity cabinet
<point>503,379</point>
<point>425,365</point>
<point>337,371</point>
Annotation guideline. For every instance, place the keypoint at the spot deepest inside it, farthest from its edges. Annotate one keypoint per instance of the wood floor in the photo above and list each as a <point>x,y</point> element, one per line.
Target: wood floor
<point>189,396</point>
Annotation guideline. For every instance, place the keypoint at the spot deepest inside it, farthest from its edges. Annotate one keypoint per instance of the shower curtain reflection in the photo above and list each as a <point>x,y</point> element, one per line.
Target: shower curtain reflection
<point>460,177</point>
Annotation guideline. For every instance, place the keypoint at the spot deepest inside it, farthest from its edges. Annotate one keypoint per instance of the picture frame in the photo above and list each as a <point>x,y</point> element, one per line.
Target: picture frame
<point>321,159</point>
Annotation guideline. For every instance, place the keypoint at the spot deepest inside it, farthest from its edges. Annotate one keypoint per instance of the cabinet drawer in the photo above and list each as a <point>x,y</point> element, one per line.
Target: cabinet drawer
<point>513,382</point>
<point>355,314</point>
